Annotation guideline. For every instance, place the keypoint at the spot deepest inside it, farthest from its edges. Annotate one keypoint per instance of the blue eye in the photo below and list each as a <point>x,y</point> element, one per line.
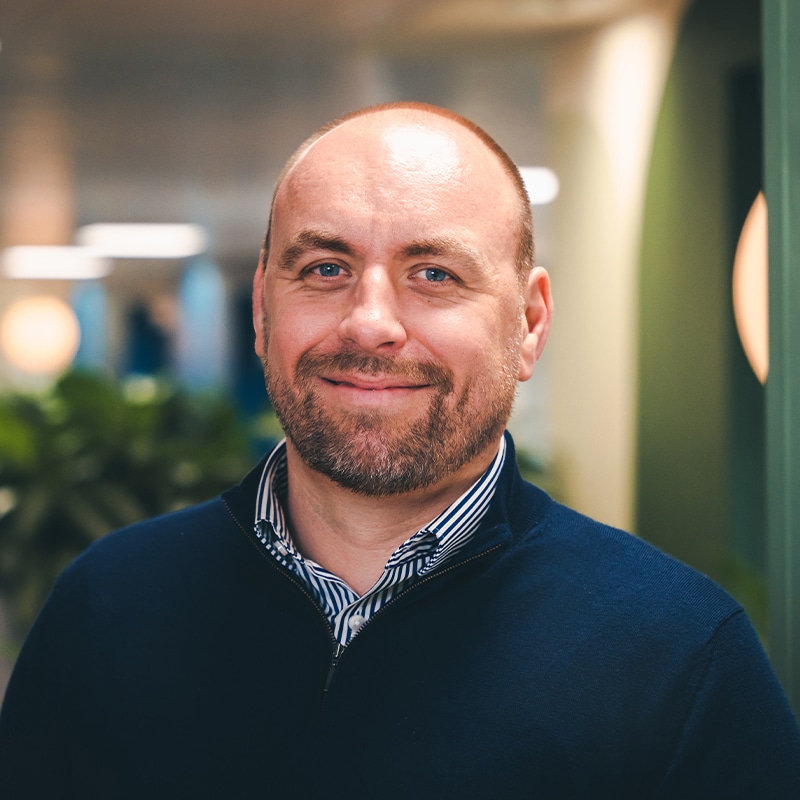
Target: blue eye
<point>329,270</point>
<point>435,275</point>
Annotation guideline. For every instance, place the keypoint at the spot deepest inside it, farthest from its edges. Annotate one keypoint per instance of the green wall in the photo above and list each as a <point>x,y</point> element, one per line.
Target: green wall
<point>782,155</point>
<point>700,427</point>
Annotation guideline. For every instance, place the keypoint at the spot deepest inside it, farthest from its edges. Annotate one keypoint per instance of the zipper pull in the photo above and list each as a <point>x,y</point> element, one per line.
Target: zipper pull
<point>337,652</point>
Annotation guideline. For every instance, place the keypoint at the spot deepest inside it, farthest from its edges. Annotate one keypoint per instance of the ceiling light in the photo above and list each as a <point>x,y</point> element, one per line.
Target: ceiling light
<point>53,263</point>
<point>541,183</point>
<point>133,240</point>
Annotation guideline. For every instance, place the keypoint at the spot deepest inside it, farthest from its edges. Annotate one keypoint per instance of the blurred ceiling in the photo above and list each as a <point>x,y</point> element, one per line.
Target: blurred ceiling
<point>184,110</point>
<point>40,36</point>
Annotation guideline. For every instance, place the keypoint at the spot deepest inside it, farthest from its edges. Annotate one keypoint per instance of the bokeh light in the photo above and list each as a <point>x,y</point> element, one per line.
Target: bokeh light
<point>750,303</point>
<point>40,335</point>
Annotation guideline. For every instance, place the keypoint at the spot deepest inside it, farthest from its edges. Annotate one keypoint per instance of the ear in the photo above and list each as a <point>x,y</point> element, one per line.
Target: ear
<point>258,305</point>
<point>538,314</point>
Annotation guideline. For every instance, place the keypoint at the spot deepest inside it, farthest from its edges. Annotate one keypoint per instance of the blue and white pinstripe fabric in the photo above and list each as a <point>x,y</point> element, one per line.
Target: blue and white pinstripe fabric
<point>435,544</point>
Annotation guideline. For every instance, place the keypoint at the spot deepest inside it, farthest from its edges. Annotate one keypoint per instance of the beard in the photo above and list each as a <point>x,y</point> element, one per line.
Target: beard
<point>377,453</point>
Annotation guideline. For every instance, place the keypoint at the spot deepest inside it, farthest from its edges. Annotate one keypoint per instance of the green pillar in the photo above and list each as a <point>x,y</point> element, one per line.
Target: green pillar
<point>782,167</point>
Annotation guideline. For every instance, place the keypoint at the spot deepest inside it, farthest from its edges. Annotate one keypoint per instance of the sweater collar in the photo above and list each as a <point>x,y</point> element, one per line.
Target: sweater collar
<point>516,507</point>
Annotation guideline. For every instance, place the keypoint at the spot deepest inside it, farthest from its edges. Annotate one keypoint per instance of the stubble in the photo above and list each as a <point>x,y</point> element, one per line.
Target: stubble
<point>378,453</point>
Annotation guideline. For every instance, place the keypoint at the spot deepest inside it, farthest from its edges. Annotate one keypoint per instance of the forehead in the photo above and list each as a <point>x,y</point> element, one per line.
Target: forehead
<point>404,166</point>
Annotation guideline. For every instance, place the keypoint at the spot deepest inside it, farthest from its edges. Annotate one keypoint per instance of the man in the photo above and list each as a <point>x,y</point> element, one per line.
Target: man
<point>384,608</point>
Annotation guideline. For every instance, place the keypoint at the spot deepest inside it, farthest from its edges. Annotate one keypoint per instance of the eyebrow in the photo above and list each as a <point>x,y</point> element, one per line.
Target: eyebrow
<point>444,246</point>
<point>309,240</point>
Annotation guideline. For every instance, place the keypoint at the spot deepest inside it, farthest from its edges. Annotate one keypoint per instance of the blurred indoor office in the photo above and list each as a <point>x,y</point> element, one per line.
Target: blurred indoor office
<point>640,123</point>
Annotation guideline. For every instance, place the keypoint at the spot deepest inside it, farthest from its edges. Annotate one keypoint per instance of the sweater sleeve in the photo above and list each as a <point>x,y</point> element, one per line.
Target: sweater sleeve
<point>33,744</point>
<point>740,738</point>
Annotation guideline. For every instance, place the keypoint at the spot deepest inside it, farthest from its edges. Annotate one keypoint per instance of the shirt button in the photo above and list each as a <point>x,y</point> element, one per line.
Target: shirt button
<point>281,548</point>
<point>355,622</point>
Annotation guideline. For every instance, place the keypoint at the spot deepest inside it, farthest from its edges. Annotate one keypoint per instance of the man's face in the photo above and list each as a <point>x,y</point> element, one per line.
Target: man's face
<point>390,318</point>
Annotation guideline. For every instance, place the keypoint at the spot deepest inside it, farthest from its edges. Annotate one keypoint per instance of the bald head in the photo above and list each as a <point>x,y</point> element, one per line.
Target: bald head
<point>430,144</point>
<point>396,306</point>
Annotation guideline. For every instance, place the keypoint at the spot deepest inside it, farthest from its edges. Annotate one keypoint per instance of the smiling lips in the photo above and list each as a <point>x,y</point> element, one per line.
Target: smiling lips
<point>372,385</point>
<point>370,374</point>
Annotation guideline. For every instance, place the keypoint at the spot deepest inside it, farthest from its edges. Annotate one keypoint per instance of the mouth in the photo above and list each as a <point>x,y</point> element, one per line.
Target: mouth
<point>360,378</point>
<point>371,384</point>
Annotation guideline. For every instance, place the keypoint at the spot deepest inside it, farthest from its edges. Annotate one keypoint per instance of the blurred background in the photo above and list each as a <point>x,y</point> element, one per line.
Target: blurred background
<point>128,385</point>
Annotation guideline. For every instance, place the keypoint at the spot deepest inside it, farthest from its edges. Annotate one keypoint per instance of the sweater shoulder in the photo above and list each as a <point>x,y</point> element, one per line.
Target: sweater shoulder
<point>186,545</point>
<point>197,523</point>
<point>620,575</point>
<point>201,531</point>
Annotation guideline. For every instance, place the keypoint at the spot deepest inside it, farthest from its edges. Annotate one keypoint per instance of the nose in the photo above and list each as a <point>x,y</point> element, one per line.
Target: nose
<point>372,320</point>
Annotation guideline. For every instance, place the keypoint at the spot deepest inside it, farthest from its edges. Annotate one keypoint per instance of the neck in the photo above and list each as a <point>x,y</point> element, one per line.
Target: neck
<point>352,535</point>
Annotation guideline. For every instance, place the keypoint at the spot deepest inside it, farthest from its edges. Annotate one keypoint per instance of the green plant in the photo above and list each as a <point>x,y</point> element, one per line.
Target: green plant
<point>92,455</point>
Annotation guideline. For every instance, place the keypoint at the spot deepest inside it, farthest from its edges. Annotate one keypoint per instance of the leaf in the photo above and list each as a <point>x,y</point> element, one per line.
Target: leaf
<point>91,455</point>
<point>17,441</point>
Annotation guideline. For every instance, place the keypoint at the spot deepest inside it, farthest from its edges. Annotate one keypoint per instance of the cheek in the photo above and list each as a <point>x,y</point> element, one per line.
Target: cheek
<point>292,331</point>
<point>472,341</point>
<point>467,349</point>
<point>495,363</point>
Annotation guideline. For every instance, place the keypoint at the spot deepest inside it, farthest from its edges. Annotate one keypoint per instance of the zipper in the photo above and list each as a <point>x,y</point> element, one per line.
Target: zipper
<point>340,649</point>
<point>337,650</point>
<point>337,653</point>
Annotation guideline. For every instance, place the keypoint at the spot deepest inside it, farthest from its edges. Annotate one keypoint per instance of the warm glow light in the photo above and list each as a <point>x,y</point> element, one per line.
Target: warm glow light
<point>750,301</point>
<point>135,240</point>
<point>541,183</point>
<point>53,263</point>
<point>40,335</point>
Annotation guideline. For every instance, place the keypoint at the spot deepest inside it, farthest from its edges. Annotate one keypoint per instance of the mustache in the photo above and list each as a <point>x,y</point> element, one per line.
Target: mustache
<point>419,372</point>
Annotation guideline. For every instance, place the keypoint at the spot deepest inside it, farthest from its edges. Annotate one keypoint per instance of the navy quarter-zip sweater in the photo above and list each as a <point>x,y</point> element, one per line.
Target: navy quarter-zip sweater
<point>556,658</point>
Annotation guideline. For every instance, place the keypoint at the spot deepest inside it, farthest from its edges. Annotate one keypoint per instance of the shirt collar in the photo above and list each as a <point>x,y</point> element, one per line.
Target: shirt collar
<point>441,538</point>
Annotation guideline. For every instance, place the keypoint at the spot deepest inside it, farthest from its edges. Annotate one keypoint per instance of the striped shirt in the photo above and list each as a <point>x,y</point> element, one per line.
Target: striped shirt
<point>438,542</point>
